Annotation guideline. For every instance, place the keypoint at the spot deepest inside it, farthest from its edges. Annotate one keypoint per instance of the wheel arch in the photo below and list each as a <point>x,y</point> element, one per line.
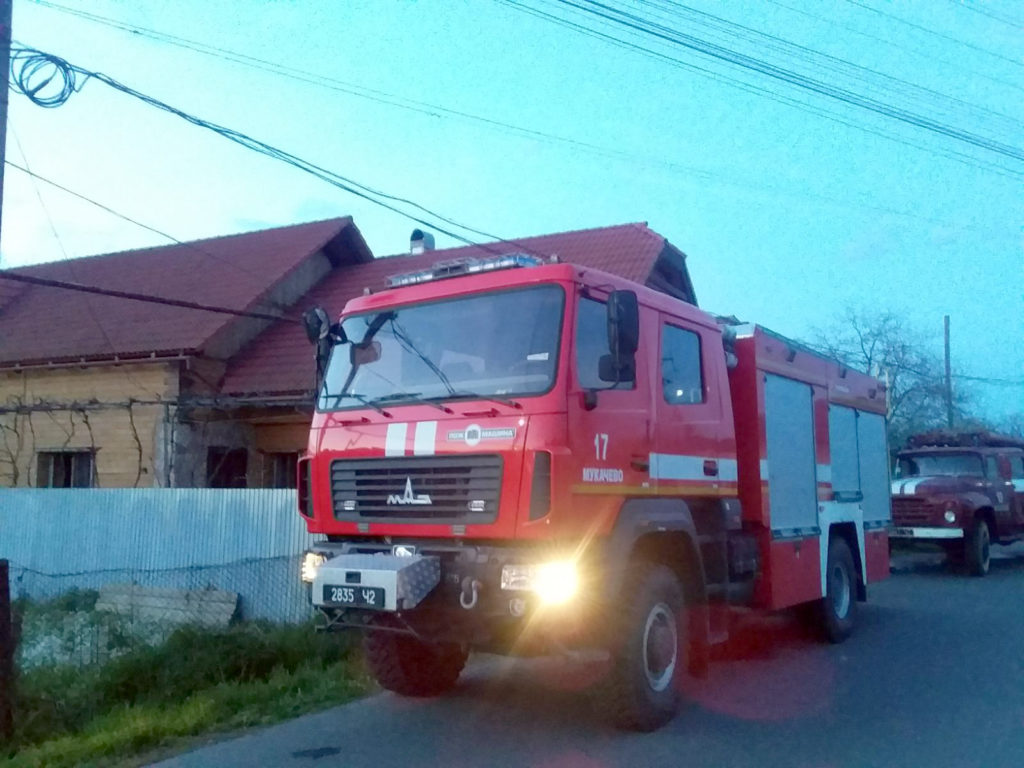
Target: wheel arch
<point>847,531</point>
<point>988,514</point>
<point>661,531</point>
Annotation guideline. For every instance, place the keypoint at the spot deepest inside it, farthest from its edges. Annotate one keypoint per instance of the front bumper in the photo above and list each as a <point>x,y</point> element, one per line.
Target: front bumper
<point>459,598</point>
<point>914,532</point>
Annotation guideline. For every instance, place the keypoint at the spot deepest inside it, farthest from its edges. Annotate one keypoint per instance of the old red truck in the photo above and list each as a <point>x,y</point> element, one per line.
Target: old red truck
<point>961,490</point>
<point>526,457</point>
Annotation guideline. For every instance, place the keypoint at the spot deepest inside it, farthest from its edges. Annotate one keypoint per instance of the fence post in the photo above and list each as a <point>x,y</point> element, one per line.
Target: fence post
<point>6,657</point>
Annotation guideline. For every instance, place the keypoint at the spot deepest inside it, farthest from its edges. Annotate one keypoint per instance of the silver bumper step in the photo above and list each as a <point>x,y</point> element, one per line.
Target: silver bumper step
<point>377,582</point>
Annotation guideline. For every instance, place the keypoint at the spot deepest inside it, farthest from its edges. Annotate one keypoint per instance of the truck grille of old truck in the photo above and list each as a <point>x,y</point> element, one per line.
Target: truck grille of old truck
<point>435,489</point>
<point>906,510</point>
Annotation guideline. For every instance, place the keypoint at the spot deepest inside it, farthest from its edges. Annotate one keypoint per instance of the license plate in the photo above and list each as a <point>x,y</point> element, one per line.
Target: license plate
<point>903,533</point>
<point>359,597</point>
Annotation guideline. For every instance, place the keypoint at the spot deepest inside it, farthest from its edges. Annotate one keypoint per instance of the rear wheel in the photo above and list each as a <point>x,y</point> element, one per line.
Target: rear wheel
<point>411,667</point>
<point>977,548</point>
<point>649,653</point>
<point>837,608</point>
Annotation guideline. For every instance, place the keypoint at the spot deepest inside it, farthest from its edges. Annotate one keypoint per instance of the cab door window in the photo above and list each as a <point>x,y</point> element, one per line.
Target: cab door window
<point>592,345</point>
<point>682,379</point>
<point>991,468</point>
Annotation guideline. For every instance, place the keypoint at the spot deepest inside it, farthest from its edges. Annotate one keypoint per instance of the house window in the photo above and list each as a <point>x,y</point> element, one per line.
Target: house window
<point>280,470</point>
<point>66,469</point>
<point>681,378</point>
<point>227,467</point>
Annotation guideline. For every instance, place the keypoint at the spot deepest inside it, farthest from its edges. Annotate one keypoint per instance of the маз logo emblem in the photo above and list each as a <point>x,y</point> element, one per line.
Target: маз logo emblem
<point>409,497</point>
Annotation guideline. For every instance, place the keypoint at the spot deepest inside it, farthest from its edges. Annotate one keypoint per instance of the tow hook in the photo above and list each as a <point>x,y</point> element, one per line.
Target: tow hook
<point>470,593</point>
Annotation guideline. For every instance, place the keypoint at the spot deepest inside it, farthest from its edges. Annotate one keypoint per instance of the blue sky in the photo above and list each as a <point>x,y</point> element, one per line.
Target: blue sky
<point>787,217</point>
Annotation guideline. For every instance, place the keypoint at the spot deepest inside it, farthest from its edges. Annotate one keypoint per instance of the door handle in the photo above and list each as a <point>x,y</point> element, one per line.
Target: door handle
<point>710,467</point>
<point>640,463</point>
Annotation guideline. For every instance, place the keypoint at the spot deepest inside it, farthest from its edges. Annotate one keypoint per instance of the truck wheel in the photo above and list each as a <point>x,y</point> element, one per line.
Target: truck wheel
<point>838,607</point>
<point>410,667</point>
<point>976,548</point>
<point>649,651</point>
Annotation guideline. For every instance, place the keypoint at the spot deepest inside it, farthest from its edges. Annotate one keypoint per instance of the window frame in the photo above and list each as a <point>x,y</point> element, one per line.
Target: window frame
<point>604,386</point>
<point>665,326</point>
<point>74,455</point>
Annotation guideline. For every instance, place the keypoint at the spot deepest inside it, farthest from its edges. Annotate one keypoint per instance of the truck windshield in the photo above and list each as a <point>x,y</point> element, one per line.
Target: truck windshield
<point>924,464</point>
<point>495,344</point>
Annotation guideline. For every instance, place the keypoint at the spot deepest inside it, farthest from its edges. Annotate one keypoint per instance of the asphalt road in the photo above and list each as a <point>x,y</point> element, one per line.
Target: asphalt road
<point>934,676</point>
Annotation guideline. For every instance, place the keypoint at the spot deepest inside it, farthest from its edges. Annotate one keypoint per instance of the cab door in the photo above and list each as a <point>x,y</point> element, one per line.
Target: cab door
<point>998,476</point>
<point>1015,488</point>
<point>609,423</point>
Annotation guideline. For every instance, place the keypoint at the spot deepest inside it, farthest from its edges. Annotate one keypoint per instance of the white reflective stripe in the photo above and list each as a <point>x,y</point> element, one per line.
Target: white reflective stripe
<point>824,473</point>
<point>907,487</point>
<point>764,469</point>
<point>1018,484</point>
<point>394,441</point>
<point>424,442</point>
<point>672,466</point>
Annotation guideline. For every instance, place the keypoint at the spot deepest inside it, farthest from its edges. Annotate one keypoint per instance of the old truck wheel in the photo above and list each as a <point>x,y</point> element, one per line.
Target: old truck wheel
<point>838,607</point>
<point>649,650</point>
<point>409,666</point>
<point>977,547</point>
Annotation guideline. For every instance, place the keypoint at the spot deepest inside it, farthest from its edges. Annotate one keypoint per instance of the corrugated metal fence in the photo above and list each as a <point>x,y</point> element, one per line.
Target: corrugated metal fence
<point>245,541</point>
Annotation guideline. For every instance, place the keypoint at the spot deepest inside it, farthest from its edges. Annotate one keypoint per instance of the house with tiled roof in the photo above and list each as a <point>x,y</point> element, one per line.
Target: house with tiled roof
<point>103,390</point>
<point>126,393</point>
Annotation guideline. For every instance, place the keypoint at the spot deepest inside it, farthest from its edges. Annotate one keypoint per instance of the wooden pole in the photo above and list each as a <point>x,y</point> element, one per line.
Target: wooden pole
<point>6,657</point>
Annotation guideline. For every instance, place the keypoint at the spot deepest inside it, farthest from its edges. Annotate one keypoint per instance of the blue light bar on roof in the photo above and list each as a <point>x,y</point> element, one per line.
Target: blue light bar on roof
<point>464,266</point>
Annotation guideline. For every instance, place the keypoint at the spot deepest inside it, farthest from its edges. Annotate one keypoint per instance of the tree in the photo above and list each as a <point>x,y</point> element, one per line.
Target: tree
<point>882,345</point>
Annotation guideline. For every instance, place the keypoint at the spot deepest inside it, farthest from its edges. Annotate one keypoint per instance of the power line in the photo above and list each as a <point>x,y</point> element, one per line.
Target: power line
<point>185,244</point>
<point>1017,25</point>
<point>46,282</point>
<point>39,195</point>
<point>437,110</point>
<point>755,89</point>
<point>791,51</point>
<point>885,41</point>
<point>926,30</point>
<point>31,78</point>
<point>720,53</point>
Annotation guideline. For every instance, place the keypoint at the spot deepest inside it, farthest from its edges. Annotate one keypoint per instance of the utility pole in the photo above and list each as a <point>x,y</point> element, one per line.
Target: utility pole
<point>5,66</point>
<point>6,657</point>
<point>949,377</point>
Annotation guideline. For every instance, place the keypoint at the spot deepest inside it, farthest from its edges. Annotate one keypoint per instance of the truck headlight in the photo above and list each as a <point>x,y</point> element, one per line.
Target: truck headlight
<point>554,583</point>
<point>311,562</point>
<point>950,516</point>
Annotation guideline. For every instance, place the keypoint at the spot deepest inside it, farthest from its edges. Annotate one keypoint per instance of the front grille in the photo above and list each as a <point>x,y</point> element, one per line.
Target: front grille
<point>434,489</point>
<point>907,510</point>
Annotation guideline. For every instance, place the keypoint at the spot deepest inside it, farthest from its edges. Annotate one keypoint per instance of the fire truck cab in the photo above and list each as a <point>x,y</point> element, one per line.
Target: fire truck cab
<point>526,457</point>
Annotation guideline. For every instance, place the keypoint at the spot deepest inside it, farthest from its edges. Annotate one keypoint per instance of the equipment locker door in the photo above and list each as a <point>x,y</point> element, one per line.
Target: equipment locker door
<point>792,480</point>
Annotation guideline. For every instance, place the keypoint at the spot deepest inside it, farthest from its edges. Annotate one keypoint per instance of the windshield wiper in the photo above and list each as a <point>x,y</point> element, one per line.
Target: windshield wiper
<point>371,403</point>
<point>416,397</point>
<point>463,395</point>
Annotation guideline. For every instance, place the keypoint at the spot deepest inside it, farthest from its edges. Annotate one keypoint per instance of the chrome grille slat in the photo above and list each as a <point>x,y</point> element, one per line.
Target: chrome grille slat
<point>907,510</point>
<point>453,483</point>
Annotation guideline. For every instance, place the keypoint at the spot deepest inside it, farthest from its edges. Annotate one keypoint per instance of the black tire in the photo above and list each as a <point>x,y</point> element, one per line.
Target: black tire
<point>410,667</point>
<point>649,650</point>
<point>837,610</point>
<point>977,546</point>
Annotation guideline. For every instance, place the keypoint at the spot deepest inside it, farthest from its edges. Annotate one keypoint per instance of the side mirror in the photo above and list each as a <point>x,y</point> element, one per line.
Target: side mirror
<point>362,354</point>
<point>608,369</point>
<point>317,324</point>
<point>623,325</point>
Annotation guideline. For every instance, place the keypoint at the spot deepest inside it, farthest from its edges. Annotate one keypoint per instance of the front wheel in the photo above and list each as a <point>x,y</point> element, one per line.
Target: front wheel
<point>410,667</point>
<point>977,547</point>
<point>649,653</point>
<point>837,608</point>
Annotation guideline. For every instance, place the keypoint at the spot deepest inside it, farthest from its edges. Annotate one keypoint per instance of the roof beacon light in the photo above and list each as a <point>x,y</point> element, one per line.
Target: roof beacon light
<point>465,266</point>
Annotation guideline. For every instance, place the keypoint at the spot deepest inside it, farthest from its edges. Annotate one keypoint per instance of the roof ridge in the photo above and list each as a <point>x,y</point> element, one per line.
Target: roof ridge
<point>176,244</point>
<point>513,240</point>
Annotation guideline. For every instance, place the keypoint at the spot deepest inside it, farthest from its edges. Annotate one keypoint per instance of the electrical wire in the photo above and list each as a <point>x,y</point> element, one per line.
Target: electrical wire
<point>728,56</point>
<point>31,77</point>
<point>437,110</point>
<point>719,77</point>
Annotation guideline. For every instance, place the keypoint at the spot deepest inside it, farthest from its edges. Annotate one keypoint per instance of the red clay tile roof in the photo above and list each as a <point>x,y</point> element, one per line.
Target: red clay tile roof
<point>280,360</point>
<point>42,324</point>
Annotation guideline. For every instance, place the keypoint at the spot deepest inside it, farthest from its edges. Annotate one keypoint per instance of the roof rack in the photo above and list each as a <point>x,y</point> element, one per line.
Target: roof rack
<point>977,438</point>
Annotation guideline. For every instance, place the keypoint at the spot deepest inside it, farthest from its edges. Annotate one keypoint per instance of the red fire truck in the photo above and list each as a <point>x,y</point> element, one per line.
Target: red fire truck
<point>525,457</point>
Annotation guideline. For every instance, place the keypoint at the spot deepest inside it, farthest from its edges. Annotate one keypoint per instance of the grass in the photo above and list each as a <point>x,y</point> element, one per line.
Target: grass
<point>196,682</point>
